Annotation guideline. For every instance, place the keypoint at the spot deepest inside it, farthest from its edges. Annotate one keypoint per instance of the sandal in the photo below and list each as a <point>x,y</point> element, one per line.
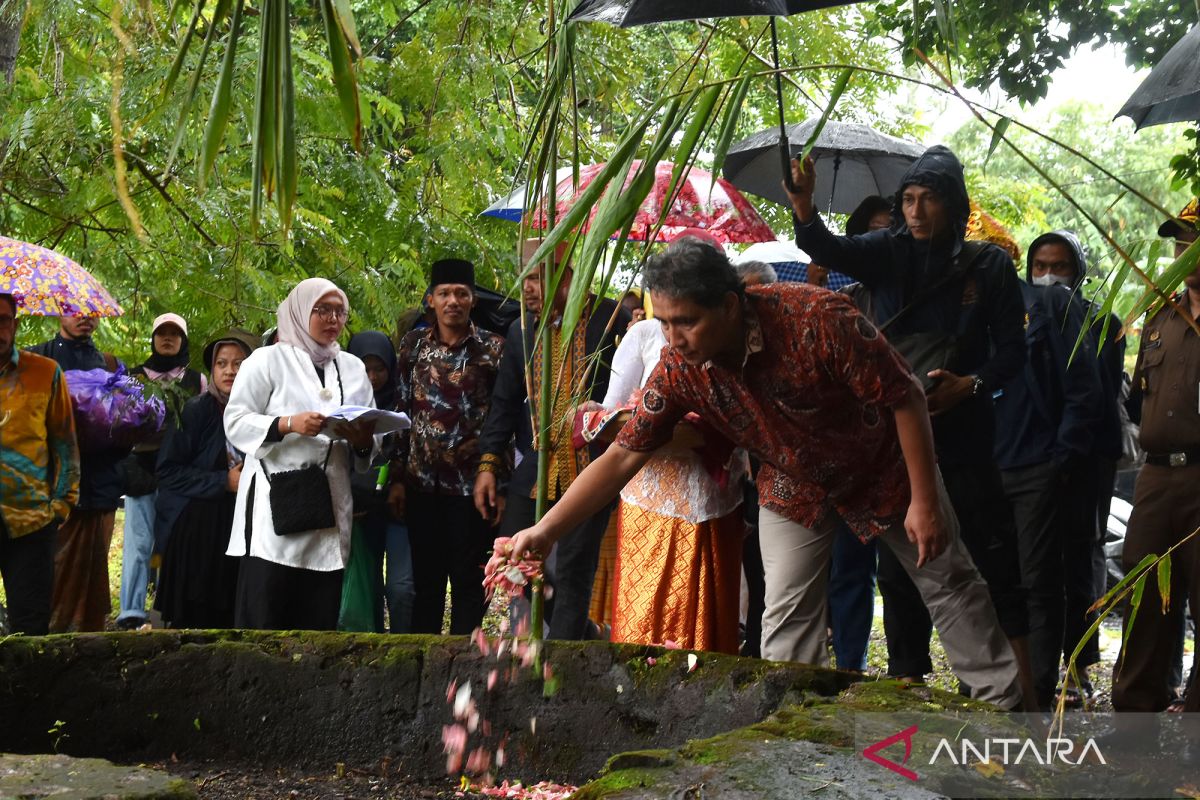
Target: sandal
<point>1176,705</point>
<point>1069,697</point>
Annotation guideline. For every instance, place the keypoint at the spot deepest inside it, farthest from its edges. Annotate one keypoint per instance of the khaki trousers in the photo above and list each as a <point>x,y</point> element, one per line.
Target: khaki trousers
<point>796,562</point>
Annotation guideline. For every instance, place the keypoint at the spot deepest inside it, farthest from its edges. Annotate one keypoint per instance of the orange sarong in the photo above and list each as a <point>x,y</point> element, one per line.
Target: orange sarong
<point>678,580</point>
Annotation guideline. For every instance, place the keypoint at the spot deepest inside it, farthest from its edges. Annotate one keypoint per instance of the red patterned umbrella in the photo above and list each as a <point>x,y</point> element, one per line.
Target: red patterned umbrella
<point>714,206</point>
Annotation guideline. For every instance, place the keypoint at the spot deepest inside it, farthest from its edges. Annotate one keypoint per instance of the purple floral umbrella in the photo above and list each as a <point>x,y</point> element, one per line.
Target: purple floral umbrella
<point>48,284</point>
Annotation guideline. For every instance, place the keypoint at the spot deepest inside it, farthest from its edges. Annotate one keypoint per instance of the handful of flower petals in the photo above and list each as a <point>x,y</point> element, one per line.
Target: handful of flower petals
<point>509,577</point>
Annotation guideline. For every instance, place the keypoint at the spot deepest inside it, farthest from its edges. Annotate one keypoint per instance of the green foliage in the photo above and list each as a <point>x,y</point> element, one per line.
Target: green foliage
<point>1018,44</point>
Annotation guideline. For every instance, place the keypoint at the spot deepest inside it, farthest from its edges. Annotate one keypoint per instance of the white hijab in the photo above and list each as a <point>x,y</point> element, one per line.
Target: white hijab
<point>296,311</point>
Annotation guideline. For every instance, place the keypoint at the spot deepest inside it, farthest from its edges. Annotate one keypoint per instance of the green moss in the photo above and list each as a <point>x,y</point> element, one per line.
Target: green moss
<point>616,782</point>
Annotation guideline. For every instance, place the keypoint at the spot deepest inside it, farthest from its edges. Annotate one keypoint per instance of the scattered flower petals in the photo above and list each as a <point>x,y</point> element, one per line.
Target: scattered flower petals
<point>671,645</point>
<point>620,688</point>
<point>462,701</point>
<point>479,761</point>
<point>481,641</point>
<point>491,679</point>
<point>451,689</point>
<point>692,661</point>
<point>651,661</point>
<point>507,577</point>
<point>533,725</point>
<point>545,790</point>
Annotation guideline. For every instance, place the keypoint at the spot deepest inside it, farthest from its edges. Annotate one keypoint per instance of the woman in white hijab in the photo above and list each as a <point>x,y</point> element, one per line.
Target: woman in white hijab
<point>276,415</point>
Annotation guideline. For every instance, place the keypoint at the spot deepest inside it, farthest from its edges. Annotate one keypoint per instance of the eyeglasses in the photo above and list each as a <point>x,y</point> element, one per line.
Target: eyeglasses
<point>331,313</point>
<point>7,320</point>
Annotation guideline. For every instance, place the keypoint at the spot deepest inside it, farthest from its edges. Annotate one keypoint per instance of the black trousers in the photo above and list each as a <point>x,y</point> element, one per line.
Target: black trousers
<point>27,569</point>
<point>990,535</point>
<point>449,540</point>
<point>1055,511</point>
<point>273,597</point>
<point>571,568</point>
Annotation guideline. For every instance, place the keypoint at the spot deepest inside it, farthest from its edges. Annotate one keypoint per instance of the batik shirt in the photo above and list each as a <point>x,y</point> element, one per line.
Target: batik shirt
<point>39,462</point>
<point>445,390</point>
<point>812,400</point>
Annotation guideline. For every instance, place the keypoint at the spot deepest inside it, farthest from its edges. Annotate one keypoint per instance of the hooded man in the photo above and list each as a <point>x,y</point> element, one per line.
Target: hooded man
<point>1046,421</point>
<point>954,310</point>
<point>1059,258</point>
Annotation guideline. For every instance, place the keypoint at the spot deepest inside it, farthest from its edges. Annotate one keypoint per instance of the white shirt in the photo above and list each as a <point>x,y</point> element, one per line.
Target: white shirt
<point>673,485</point>
<point>280,381</point>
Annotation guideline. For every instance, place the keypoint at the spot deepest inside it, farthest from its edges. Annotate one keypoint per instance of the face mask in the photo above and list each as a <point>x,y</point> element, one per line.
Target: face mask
<point>1049,279</point>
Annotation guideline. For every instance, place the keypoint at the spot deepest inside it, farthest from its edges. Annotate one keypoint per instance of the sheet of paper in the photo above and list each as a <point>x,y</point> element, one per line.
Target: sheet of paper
<point>385,421</point>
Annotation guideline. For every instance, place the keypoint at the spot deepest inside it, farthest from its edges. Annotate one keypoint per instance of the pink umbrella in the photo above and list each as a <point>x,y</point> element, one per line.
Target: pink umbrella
<point>48,284</point>
<point>714,206</point>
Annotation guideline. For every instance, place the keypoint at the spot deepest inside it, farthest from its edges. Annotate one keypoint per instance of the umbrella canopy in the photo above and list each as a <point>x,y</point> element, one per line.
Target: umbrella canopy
<point>790,263</point>
<point>1171,92</point>
<point>48,284</point>
<point>701,202</point>
<point>512,205</point>
<point>627,13</point>
<point>853,161</point>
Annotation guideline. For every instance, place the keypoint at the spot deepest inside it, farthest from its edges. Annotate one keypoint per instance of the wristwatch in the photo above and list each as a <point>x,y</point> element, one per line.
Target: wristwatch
<point>976,385</point>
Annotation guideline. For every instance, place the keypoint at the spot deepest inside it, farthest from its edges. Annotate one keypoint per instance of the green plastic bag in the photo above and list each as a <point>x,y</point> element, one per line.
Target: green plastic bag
<point>360,585</point>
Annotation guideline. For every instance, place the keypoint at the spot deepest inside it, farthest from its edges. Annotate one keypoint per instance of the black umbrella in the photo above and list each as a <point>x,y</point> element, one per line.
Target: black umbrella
<point>864,161</point>
<point>628,13</point>
<point>1171,92</point>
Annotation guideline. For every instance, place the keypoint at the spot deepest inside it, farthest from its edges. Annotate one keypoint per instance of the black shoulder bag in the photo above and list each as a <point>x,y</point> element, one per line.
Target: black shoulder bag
<point>301,499</point>
<point>925,351</point>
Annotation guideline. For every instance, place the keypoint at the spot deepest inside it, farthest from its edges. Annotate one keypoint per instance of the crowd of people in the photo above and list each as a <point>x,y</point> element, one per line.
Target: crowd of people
<point>760,454</point>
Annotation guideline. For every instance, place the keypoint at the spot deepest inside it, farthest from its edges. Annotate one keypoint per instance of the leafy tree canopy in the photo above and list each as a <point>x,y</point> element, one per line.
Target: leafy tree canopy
<point>1018,44</point>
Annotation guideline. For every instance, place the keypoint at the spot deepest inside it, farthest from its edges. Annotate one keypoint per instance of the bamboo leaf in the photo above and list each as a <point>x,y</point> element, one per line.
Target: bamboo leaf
<point>1135,604</point>
<point>1171,277</point>
<point>997,136</point>
<point>579,211</point>
<point>838,87</point>
<point>733,110</point>
<point>692,134</point>
<point>181,54</point>
<point>218,112</point>
<point>219,14</point>
<point>287,124</point>
<point>345,21</point>
<point>343,73</point>
<point>1124,583</point>
<point>1164,581</point>
<point>262,138</point>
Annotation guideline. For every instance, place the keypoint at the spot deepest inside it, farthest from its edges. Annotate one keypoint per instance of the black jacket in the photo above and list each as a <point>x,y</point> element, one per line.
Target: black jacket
<point>1049,412</point>
<point>984,308</point>
<point>508,416</point>
<point>1108,346</point>
<point>185,465</point>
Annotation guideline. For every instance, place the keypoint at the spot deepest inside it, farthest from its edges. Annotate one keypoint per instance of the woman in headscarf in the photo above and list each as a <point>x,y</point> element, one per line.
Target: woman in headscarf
<point>277,415</point>
<point>168,367</point>
<point>198,476</point>
<point>378,528</point>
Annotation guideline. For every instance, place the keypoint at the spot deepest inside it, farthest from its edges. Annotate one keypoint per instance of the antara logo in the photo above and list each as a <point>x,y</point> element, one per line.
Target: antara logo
<point>872,752</point>
<point>1001,751</point>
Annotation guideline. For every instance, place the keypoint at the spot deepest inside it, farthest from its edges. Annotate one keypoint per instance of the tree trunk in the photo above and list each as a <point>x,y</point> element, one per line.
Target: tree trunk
<point>12,15</point>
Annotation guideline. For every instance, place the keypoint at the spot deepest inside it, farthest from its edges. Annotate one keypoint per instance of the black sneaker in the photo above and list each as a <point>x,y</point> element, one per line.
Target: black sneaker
<point>130,623</point>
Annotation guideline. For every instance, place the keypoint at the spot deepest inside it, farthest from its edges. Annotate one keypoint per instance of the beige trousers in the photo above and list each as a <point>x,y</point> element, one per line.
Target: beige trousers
<point>796,562</point>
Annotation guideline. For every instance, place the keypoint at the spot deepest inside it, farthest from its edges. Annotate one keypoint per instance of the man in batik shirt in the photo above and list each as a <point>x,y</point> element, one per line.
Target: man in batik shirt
<point>445,374</point>
<point>799,378</point>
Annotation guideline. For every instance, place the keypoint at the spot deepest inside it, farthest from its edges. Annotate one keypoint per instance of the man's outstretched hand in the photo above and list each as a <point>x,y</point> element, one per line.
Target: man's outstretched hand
<point>528,543</point>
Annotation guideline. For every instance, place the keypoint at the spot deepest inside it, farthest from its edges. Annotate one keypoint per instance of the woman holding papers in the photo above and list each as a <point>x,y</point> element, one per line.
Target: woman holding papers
<point>292,521</point>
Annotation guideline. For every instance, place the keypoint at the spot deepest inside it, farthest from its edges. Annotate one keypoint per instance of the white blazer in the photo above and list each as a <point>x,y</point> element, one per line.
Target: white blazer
<point>279,381</point>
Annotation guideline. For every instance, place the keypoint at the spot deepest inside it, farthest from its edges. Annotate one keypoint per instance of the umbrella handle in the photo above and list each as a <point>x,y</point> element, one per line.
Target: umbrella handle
<point>785,159</point>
